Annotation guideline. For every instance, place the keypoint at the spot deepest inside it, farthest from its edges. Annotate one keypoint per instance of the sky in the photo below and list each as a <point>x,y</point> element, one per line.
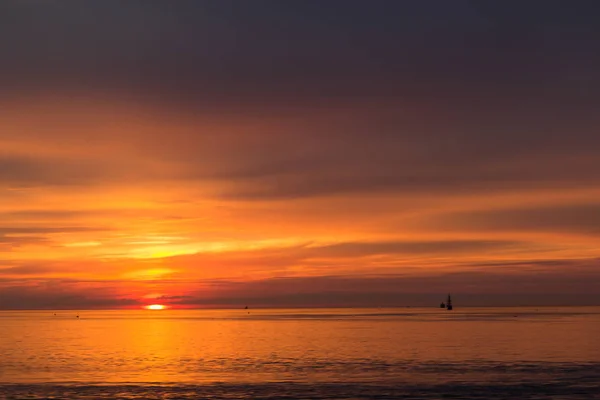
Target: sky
<point>271,153</point>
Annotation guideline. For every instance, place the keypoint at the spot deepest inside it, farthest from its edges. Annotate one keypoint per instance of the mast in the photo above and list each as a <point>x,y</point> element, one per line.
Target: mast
<point>449,303</point>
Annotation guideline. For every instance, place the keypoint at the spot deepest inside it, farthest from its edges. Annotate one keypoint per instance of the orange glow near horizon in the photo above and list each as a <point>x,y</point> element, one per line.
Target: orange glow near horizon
<point>221,213</point>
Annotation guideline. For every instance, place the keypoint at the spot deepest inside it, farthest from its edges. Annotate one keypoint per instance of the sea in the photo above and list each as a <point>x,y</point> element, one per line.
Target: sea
<point>399,353</point>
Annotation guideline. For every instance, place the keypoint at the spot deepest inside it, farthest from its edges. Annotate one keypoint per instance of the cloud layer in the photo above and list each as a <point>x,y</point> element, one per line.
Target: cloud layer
<point>219,153</point>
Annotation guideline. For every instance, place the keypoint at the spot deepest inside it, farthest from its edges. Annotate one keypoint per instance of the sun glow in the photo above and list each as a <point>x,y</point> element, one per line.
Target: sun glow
<point>155,307</point>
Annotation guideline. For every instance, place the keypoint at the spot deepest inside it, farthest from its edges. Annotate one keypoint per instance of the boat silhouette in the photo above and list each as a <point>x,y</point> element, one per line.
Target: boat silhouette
<point>449,303</point>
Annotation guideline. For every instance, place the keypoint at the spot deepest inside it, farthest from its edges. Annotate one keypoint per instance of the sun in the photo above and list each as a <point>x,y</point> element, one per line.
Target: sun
<point>155,307</point>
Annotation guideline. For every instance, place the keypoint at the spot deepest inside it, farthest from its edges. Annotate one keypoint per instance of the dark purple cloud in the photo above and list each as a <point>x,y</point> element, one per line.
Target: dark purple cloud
<point>227,49</point>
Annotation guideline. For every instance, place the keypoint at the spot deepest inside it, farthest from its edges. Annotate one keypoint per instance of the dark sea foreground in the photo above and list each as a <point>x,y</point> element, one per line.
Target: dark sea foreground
<point>290,390</point>
<point>302,354</point>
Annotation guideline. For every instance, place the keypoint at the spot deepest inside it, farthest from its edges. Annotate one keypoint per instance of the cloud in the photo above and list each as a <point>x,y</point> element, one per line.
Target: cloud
<point>408,247</point>
<point>16,236</point>
<point>310,257</point>
<point>25,230</point>
<point>35,270</point>
<point>511,283</point>
<point>197,50</point>
<point>266,148</point>
<point>572,218</point>
<point>35,171</point>
<point>56,297</point>
<point>81,170</point>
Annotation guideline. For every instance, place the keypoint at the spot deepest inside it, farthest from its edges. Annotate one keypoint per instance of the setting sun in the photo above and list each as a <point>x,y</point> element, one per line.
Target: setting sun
<point>155,307</point>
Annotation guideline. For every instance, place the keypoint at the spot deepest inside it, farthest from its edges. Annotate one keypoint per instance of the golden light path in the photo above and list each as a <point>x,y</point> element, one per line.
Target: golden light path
<point>155,307</point>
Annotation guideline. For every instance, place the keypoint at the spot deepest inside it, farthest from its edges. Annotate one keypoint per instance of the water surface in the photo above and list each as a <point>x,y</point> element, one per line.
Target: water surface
<point>302,353</point>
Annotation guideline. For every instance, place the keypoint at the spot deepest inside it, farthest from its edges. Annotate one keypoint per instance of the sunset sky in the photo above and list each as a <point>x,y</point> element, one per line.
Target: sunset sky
<point>299,153</point>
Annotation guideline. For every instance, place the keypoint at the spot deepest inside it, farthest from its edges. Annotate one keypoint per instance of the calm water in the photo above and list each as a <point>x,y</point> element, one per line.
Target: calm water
<point>412,353</point>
